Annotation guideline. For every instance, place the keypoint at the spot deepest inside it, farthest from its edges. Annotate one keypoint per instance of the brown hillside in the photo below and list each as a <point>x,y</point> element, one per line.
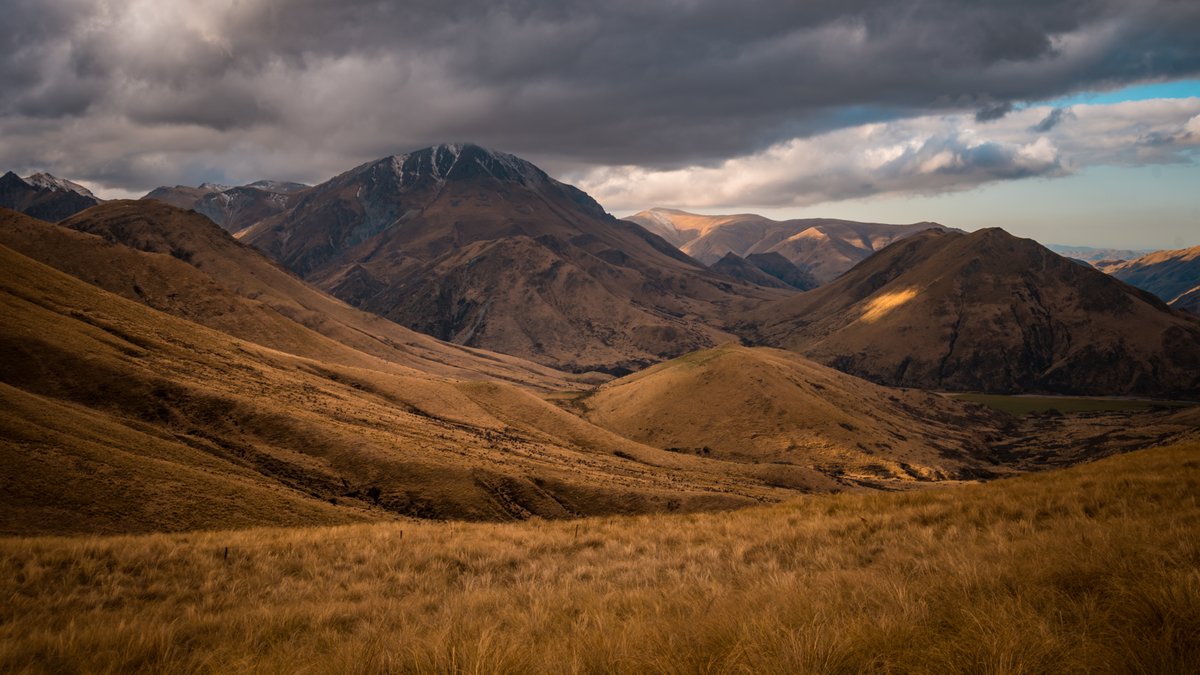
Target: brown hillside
<point>988,311</point>
<point>482,248</point>
<point>120,418</point>
<point>201,273</point>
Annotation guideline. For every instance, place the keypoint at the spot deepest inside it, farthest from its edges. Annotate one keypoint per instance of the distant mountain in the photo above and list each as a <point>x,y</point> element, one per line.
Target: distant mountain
<point>48,182</point>
<point>781,268</point>
<point>482,248</point>
<point>1167,274</point>
<point>764,269</point>
<point>1092,255</point>
<point>987,311</point>
<point>233,208</point>
<point>738,268</point>
<point>1189,301</point>
<point>44,196</point>
<point>180,196</point>
<point>823,247</point>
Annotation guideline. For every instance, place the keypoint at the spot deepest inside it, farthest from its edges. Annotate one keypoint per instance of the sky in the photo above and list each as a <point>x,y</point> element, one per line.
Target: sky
<point>1070,121</point>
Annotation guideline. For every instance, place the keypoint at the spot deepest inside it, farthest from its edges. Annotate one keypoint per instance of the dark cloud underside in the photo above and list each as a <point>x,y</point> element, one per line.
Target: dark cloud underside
<point>325,84</point>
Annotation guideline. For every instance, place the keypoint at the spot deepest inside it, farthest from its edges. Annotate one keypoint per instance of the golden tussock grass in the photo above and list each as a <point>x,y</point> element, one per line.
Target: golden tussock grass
<point>1090,569</point>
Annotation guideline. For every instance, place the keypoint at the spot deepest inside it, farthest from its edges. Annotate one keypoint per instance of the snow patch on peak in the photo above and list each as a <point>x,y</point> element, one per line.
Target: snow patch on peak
<point>215,187</point>
<point>46,181</point>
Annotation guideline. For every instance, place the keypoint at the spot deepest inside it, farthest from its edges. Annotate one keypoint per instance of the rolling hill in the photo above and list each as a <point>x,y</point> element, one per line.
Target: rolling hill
<point>771,406</point>
<point>482,248</point>
<point>823,247</point>
<point>987,311</point>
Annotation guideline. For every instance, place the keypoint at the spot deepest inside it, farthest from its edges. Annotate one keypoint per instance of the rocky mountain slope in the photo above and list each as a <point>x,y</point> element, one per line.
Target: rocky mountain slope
<point>482,248</point>
<point>990,312</point>
<point>233,208</point>
<point>823,247</point>
<point>43,196</point>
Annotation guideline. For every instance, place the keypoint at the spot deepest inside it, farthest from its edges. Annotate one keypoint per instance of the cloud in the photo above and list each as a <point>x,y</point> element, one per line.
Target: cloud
<point>993,111</point>
<point>1051,120</point>
<point>310,88</point>
<point>924,155</point>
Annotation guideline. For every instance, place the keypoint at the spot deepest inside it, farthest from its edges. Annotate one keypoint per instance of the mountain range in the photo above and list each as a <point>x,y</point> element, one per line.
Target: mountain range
<point>208,387</point>
<point>420,337</point>
<point>824,248</point>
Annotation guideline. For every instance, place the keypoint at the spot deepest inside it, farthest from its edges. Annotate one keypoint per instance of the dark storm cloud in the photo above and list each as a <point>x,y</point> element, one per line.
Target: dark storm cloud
<point>1052,119</point>
<point>304,88</point>
<point>993,111</point>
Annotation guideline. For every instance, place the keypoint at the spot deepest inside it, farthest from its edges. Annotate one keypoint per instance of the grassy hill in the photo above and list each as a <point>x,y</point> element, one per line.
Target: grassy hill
<point>1090,569</point>
<point>812,423</point>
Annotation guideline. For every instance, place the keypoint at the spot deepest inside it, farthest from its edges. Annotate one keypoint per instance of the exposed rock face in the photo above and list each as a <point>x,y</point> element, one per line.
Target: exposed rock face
<point>483,248</point>
<point>823,247</point>
<point>44,197</point>
<point>990,312</point>
<point>233,208</point>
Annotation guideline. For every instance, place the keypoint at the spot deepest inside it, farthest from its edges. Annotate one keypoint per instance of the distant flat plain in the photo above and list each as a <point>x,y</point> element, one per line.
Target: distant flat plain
<point>1024,404</point>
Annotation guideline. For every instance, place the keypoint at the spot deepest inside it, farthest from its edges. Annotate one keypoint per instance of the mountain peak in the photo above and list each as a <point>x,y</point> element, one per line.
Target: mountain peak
<point>456,161</point>
<point>46,181</point>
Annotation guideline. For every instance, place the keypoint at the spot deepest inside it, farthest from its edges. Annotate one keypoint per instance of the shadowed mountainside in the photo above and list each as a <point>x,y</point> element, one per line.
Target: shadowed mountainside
<point>1168,274</point>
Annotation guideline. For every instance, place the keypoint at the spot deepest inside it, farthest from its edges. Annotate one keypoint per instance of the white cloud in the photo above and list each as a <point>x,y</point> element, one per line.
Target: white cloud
<point>922,155</point>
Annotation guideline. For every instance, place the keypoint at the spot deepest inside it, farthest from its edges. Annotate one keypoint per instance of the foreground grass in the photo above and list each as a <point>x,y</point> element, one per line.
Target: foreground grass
<point>1091,569</point>
<point>1023,404</point>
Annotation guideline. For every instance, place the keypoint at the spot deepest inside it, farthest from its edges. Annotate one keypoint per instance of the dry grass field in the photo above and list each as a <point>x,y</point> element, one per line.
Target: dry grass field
<point>1090,569</point>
